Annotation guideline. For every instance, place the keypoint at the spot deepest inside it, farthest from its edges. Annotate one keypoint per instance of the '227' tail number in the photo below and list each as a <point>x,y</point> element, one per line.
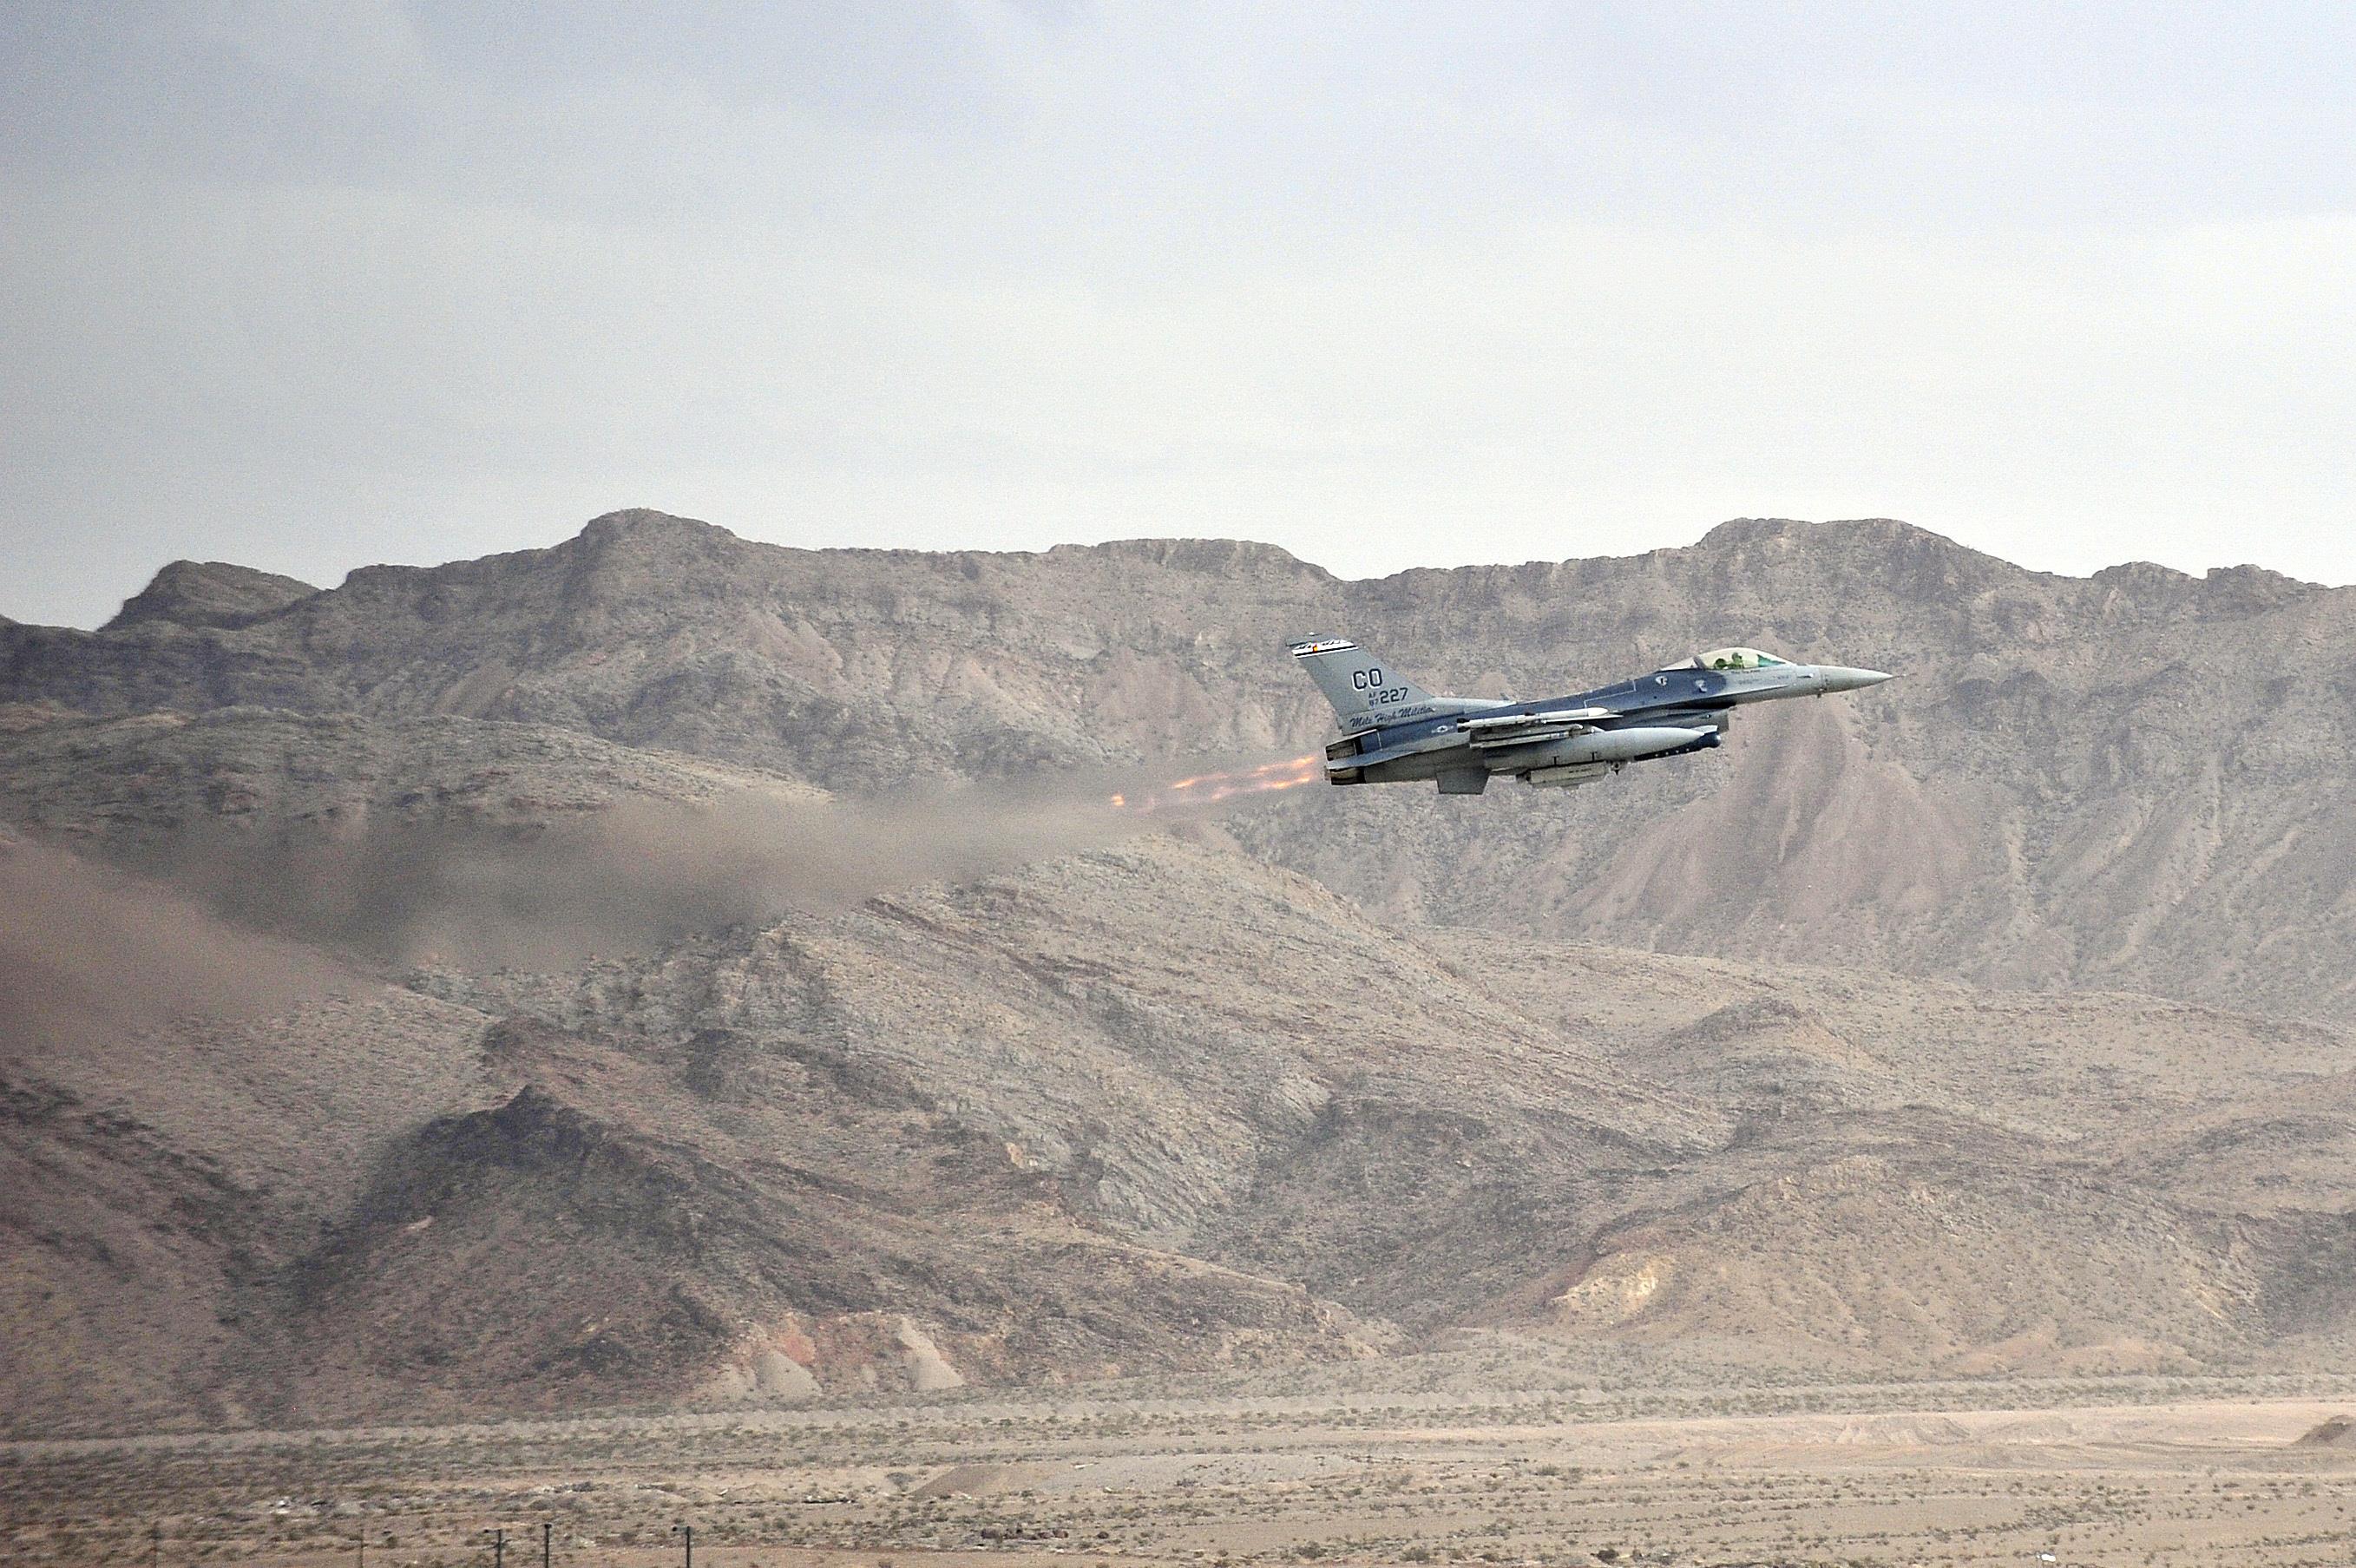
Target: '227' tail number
<point>1378,696</point>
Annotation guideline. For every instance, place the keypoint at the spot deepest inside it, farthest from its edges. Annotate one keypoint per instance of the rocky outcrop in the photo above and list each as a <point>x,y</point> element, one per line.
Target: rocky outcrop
<point>210,594</point>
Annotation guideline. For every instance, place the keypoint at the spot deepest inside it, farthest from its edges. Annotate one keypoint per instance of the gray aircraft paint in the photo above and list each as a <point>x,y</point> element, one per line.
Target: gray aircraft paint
<point>1396,732</point>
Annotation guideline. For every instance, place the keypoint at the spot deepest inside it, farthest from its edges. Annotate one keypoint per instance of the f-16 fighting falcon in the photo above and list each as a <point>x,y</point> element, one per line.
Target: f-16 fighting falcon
<point>1395,731</point>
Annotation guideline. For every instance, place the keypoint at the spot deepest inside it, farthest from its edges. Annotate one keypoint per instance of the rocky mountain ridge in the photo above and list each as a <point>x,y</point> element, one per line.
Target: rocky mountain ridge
<point>1058,1094</point>
<point>2137,779</point>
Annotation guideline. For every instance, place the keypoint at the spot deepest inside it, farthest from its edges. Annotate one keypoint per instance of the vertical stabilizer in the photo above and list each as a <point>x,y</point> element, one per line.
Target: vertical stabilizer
<point>1366,692</point>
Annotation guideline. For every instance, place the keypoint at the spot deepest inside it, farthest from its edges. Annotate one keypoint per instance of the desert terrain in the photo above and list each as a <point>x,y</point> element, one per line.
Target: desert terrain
<point>668,1029</point>
<point>1424,1467</point>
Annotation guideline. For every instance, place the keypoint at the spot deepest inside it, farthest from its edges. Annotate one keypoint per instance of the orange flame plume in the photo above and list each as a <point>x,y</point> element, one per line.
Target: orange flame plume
<point>1206,788</point>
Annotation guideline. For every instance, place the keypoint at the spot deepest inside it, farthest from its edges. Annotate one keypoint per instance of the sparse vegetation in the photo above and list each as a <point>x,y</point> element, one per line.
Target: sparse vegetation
<point>1882,1474</point>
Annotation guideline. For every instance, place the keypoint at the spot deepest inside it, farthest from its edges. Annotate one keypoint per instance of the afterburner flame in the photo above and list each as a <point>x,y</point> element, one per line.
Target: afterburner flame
<point>1208,789</point>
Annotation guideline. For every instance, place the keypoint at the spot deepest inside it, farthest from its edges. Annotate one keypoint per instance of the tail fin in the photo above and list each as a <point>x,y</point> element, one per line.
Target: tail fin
<point>1364,691</point>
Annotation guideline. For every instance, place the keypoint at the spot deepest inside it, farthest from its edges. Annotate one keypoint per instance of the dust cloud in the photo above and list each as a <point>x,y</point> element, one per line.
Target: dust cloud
<point>639,874</point>
<point>89,953</point>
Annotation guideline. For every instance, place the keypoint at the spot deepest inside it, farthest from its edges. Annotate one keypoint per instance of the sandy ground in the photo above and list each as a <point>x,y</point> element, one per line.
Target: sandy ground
<point>2187,1481</point>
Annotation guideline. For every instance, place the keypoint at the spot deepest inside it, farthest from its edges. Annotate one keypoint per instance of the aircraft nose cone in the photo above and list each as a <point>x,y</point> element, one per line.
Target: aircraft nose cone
<point>1841,678</point>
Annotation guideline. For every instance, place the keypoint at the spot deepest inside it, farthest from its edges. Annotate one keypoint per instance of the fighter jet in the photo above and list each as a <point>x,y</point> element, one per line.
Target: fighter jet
<point>1394,730</point>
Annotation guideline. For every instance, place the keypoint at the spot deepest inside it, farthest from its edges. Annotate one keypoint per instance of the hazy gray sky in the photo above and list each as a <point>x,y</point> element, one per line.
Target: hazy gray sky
<point>318,282</point>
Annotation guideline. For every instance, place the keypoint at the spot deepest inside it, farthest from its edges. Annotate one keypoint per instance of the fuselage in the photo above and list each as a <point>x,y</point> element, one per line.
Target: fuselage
<point>1462,741</point>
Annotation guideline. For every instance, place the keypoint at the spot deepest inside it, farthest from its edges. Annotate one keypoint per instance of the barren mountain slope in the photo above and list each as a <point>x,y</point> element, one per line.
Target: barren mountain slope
<point>342,1207</point>
<point>1048,1096</point>
<point>393,838</point>
<point>1114,1113</point>
<point>863,1149</point>
<point>2138,779</point>
<point>135,785</point>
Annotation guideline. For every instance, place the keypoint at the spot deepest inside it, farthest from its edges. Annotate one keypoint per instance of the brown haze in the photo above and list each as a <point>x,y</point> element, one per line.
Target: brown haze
<point>88,952</point>
<point>633,874</point>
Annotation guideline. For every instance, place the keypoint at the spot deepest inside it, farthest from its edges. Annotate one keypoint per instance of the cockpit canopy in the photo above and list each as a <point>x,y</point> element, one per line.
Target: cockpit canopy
<point>1731,658</point>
